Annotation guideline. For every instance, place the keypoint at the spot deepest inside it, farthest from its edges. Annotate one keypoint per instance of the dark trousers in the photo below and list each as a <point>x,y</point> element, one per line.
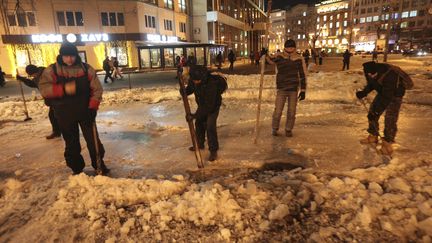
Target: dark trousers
<point>207,124</point>
<point>391,117</point>
<point>54,123</point>
<point>345,64</point>
<point>231,67</point>
<point>320,61</point>
<point>108,75</point>
<point>70,131</point>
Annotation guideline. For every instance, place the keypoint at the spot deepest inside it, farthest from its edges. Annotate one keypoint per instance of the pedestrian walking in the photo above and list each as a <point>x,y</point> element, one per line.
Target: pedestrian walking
<point>291,74</point>
<point>374,55</point>
<point>116,69</point>
<point>231,59</point>
<point>252,57</point>
<point>346,59</point>
<point>107,68</point>
<point>257,58</point>
<point>219,60</point>
<point>320,57</point>
<point>306,56</point>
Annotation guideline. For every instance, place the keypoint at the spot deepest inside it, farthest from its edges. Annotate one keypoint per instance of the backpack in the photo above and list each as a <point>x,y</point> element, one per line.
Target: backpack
<point>221,82</point>
<point>403,77</point>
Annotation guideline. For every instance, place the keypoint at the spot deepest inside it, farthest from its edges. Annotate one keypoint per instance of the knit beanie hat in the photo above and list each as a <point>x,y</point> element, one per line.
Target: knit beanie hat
<point>197,72</point>
<point>290,43</point>
<point>370,67</point>
<point>68,49</point>
<point>31,69</point>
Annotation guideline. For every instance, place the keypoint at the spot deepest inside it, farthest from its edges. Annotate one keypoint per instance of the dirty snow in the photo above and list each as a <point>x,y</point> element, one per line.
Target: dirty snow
<point>343,192</point>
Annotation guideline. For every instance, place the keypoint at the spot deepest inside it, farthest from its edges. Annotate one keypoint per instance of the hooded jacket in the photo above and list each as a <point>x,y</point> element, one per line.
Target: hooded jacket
<point>386,83</point>
<point>207,95</point>
<point>88,86</point>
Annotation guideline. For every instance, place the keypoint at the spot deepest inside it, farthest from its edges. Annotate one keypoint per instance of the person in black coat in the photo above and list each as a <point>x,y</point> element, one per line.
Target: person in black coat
<point>36,73</point>
<point>346,59</point>
<point>2,79</point>
<point>108,70</point>
<point>208,98</point>
<point>390,91</point>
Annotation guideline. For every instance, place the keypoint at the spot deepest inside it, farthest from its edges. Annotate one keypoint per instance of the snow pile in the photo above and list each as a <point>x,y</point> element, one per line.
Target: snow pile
<point>149,95</point>
<point>15,109</point>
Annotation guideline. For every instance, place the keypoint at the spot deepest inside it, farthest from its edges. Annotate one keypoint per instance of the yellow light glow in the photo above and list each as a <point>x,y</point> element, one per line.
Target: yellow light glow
<point>99,51</point>
<point>130,46</point>
<point>49,53</point>
<point>12,60</point>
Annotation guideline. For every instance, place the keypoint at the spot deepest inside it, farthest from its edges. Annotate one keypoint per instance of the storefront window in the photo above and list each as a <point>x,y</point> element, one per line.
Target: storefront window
<point>169,57</point>
<point>120,53</point>
<point>178,52</point>
<point>145,58</point>
<point>200,55</point>
<point>155,58</point>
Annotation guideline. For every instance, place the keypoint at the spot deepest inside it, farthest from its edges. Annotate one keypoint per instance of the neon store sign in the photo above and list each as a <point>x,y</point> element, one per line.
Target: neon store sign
<point>72,38</point>
<point>161,38</point>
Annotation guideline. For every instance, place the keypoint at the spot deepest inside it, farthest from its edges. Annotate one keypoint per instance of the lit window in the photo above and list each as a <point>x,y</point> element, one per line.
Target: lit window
<point>405,14</point>
<point>375,18</point>
<point>362,20</point>
<point>299,22</point>
<point>345,23</point>
<point>346,15</point>
<point>182,5</point>
<point>304,13</point>
<point>304,36</point>
<point>325,18</point>
<point>337,24</point>
<point>368,19</point>
<point>331,25</point>
<point>318,20</point>
<point>298,36</point>
<point>331,17</point>
<point>317,26</point>
<point>404,25</point>
<point>396,15</point>
<point>413,13</point>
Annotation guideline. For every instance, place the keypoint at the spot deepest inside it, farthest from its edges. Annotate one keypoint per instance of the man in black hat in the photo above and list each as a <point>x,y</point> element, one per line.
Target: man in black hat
<point>75,92</point>
<point>390,91</point>
<point>209,99</point>
<point>290,78</point>
<point>36,73</point>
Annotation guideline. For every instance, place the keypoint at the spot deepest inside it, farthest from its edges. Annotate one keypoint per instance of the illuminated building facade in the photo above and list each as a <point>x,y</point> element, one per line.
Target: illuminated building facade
<point>277,32</point>
<point>300,23</point>
<point>333,23</point>
<point>238,25</point>
<point>410,24</point>
<point>144,34</point>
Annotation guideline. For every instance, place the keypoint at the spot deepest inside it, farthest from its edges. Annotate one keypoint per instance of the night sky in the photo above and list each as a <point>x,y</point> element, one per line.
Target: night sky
<point>284,3</point>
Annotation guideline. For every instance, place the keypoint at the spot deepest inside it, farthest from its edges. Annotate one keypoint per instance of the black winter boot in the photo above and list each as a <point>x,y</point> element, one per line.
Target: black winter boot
<point>193,149</point>
<point>213,156</point>
<point>53,135</point>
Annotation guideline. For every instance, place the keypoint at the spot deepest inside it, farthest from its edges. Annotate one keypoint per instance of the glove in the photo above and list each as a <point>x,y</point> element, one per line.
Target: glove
<point>302,95</point>
<point>19,77</point>
<point>92,114</point>
<point>361,94</point>
<point>190,117</point>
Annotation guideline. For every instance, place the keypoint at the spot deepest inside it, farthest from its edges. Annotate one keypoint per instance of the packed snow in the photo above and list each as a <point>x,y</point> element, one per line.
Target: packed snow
<point>319,186</point>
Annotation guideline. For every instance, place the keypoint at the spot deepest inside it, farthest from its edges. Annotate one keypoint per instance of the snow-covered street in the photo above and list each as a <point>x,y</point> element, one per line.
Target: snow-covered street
<point>320,185</point>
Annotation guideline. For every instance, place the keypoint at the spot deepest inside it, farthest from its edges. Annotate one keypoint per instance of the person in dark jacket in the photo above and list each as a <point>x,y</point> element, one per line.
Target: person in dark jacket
<point>209,100</point>
<point>108,70</point>
<point>291,74</point>
<point>231,59</point>
<point>306,56</point>
<point>2,78</point>
<point>346,59</point>
<point>75,92</point>
<point>36,73</point>
<point>116,68</point>
<point>390,92</point>
<point>219,60</point>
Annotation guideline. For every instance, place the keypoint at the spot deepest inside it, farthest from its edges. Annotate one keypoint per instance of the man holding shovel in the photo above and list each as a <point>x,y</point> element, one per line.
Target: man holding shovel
<point>36,73</point>
<point>74,90</point>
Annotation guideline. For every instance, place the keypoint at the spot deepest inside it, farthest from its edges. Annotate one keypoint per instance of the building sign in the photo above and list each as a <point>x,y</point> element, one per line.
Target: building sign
<point>161,38</point>
<point>332,7</point>
<point>72,38</point>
